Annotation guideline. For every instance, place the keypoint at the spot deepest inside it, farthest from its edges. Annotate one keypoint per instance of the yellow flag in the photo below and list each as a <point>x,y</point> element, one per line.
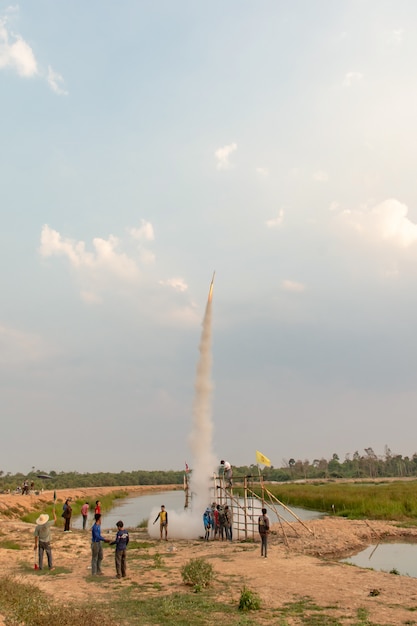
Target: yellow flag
<point>262,460</point>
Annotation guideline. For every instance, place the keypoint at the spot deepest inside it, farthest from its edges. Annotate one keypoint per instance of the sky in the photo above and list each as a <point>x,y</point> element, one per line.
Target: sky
<point>148,143</point>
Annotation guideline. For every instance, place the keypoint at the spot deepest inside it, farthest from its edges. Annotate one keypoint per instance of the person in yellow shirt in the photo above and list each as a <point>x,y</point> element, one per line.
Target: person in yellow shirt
<point>163,522</point>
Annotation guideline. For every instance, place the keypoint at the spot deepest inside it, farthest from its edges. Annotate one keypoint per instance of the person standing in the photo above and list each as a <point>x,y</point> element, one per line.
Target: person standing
<point>66,514</point>
<point>222,522</point>
<point>229,522</point>
<point>215,518</point>
<point>96,547</point>
<point>263,527</point>
<point>43,539</point>
<point>121,541</point>
<point>97,508</point>
<point>226,470</point>
<point>84,513</point>
<point>207,521</point>
<point>163,522</point>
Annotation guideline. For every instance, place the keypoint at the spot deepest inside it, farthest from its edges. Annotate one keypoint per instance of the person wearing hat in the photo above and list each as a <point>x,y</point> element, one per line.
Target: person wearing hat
<point>121,541</point>
<point>43,538</point>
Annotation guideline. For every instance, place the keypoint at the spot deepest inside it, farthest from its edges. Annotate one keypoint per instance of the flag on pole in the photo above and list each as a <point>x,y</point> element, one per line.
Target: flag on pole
<point>262,459</point>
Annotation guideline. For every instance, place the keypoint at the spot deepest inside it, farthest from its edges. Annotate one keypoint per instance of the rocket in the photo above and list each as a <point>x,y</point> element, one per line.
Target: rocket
<point>211,288</point>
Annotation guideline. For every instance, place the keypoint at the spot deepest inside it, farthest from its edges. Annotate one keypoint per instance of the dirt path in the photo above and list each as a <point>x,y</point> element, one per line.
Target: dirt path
<point>307,567</point>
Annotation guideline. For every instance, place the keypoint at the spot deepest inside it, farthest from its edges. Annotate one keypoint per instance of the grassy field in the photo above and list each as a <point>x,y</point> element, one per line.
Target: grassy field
<point>25,604</point>
<point>382,501</point>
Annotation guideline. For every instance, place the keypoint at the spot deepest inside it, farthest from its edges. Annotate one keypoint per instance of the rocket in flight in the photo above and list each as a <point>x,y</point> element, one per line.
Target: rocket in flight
<point>211,288</point>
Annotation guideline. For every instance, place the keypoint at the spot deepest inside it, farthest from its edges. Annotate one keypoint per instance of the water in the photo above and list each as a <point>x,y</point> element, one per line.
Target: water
<point>388,556</point>
<point>133,510</point>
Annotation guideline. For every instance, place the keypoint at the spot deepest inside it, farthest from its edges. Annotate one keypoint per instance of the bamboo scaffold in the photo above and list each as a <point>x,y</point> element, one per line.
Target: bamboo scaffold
<point>246,506</point>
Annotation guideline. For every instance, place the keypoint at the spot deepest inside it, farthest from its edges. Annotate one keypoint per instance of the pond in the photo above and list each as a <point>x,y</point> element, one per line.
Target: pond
<point>138,508</point>
<point>386,557</point>
<point>135,509</point>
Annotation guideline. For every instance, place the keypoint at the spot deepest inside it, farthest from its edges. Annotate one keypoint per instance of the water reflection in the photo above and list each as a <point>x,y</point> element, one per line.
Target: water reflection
<point>401,557</point>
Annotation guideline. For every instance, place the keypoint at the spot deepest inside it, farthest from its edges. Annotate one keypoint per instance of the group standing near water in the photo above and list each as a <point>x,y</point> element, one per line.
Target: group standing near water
<point>217,522</point>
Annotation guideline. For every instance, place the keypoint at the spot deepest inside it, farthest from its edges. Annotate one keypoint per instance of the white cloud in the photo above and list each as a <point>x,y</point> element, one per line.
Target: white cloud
<point>16,53</point>
<point>386,222</point>
<point>351,78</point>
<point>222,155</point>
<point>276,222</point>
<point>144,233</point>
<point>293,286</point>
<point>105,257</point>
<point>178,284</point>
<point>17,347</point>
<point>263,172</point>
<point>320,176</point>
<point>55,82</point>
<point>334,206</point>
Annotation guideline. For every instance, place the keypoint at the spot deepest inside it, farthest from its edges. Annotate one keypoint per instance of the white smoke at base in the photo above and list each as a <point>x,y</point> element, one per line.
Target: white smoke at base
<point>189,523</point>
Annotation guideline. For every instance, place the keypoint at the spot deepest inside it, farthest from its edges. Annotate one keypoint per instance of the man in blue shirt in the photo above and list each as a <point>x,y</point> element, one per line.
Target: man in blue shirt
<point>121,541</point>
<point>96,547</point>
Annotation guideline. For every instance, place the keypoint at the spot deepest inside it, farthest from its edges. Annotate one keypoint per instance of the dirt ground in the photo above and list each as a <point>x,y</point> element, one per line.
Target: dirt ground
<point>302,563</point>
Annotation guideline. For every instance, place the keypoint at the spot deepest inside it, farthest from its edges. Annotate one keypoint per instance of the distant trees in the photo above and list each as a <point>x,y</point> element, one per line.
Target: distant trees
<point>356,465</point>
<point>66,480</point>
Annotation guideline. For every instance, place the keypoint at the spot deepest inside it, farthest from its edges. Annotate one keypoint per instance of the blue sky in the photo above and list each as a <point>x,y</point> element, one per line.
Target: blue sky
<point>145,145</point>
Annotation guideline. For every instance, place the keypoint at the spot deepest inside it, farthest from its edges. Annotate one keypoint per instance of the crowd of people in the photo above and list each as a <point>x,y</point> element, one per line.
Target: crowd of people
<point>43,539</point>
<point>217,522</point>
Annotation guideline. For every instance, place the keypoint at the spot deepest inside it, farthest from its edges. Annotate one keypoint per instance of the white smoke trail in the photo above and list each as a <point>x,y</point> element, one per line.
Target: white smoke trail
<point>189,524</point>
<point>204,463</point>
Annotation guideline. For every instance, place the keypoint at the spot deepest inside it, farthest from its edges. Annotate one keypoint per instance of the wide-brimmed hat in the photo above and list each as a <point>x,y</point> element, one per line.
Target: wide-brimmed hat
<point>42,519</point>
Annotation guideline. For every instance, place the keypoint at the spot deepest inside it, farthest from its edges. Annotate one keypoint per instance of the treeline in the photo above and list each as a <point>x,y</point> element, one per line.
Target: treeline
<point>356,465</point>
<point>67,480</point>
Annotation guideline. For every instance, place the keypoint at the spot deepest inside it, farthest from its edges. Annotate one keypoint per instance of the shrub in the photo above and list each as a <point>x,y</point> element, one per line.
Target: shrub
<point>249,600</point>
<point>197,573</point>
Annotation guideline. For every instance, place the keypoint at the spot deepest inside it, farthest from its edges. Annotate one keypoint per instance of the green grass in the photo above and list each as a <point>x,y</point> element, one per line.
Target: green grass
<point>26,604</point>
<point>140,544</point>
<point>383,501</point>
<point>8,544</point>
<point>23,603</point>
<point>308,613</point>
<point>143,523</point>
<point>175,609</point>
<point>29,569</point>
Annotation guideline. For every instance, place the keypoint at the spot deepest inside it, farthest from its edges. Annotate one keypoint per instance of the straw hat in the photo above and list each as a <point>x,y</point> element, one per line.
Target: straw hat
<point>42,519</point>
